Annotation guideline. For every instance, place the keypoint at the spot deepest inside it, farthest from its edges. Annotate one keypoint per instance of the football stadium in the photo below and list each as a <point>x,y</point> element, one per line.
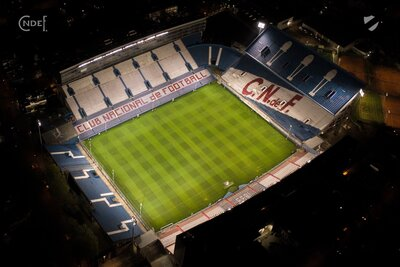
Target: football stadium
<point>170,132</point>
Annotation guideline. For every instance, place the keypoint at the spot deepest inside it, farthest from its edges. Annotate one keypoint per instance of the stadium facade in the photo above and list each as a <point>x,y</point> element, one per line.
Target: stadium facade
<point>293,88</point>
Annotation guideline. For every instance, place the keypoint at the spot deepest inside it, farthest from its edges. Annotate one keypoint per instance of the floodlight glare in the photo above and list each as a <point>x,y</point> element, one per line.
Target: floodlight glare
<point>261,25</point>
<point>361,92</point>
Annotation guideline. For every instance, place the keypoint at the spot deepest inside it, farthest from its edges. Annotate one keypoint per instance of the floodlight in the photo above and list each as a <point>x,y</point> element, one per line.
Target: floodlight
<point>261,25</point>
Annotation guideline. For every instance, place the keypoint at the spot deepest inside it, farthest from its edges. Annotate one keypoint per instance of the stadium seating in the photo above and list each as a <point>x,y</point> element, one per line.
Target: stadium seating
<point>108,212</point>
<point>144,59</point>
<point>174,65</point>
<point>165,51</point>
<point>153,73</point>
<point>134,81</point>
<point>105,75</point>
<point>192,39</point>
<point>125,66</point>
<point>218,55</point>
<point>91,100</point>
<point>304,120</point>
<point>200,54</point>
<point>82,84</point>
<point>324,82</point>
<point>189,59</point>
<point>114,90</point>
<point>109,88</point>
<point>74,107</point>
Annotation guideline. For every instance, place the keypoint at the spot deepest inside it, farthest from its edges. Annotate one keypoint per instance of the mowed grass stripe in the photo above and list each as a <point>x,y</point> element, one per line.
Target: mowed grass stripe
<point>175,159</point>
<point>154,187</point>
<point>195,162</point>
<point>168,170</point>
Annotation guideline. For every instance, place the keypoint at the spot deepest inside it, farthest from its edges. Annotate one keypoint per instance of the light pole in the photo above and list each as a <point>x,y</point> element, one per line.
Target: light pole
<point>290,130</point>
<point>40,135</point>
<point>260,26</point>
<point>133,226</point>
<point>90,145</point>
<point>140,209</point>
<point>113,176</point>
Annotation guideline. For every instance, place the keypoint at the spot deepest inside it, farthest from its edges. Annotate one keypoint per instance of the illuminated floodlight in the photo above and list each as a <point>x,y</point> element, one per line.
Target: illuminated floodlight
<point>261,25</point>
<point>161,34</point>
<point>362,92</point>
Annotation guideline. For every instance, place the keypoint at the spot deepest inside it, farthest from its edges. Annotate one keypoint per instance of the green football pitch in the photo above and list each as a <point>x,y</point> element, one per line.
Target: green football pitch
<point>173,161</point>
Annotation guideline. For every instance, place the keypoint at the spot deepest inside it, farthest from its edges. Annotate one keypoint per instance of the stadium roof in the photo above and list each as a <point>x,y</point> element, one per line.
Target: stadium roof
<point>306,71</point>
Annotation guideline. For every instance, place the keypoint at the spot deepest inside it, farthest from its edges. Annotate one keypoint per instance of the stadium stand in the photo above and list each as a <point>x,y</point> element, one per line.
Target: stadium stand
<point>200,54</point>
<point>91,100</point>
<point>165,51</point>
<point>192,39</point>
<point>125,66</point>
<point>304,119</point>
<point>68,157</point>
<point>134,81</point>
<point>114,90</point>
<point>81,85</point>
<point>174,65</point>
<point>153,74</point>
<point>324,82</point>
<point>144,59</point>
<point>74,107</point>
<point>218,55</point>
<point>187,57</point>
<point>105,75</point>
<point>108,212</point>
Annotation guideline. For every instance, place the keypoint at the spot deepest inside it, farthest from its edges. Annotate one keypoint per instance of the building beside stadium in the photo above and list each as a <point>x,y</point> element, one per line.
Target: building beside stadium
<point>301,94</point>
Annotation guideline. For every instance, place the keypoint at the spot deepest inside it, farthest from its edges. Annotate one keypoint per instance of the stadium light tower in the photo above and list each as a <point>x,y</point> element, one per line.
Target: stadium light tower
<point>40,135</point>
<point>133,226</point>
<point>260,26</point>
<point>290,131</point>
